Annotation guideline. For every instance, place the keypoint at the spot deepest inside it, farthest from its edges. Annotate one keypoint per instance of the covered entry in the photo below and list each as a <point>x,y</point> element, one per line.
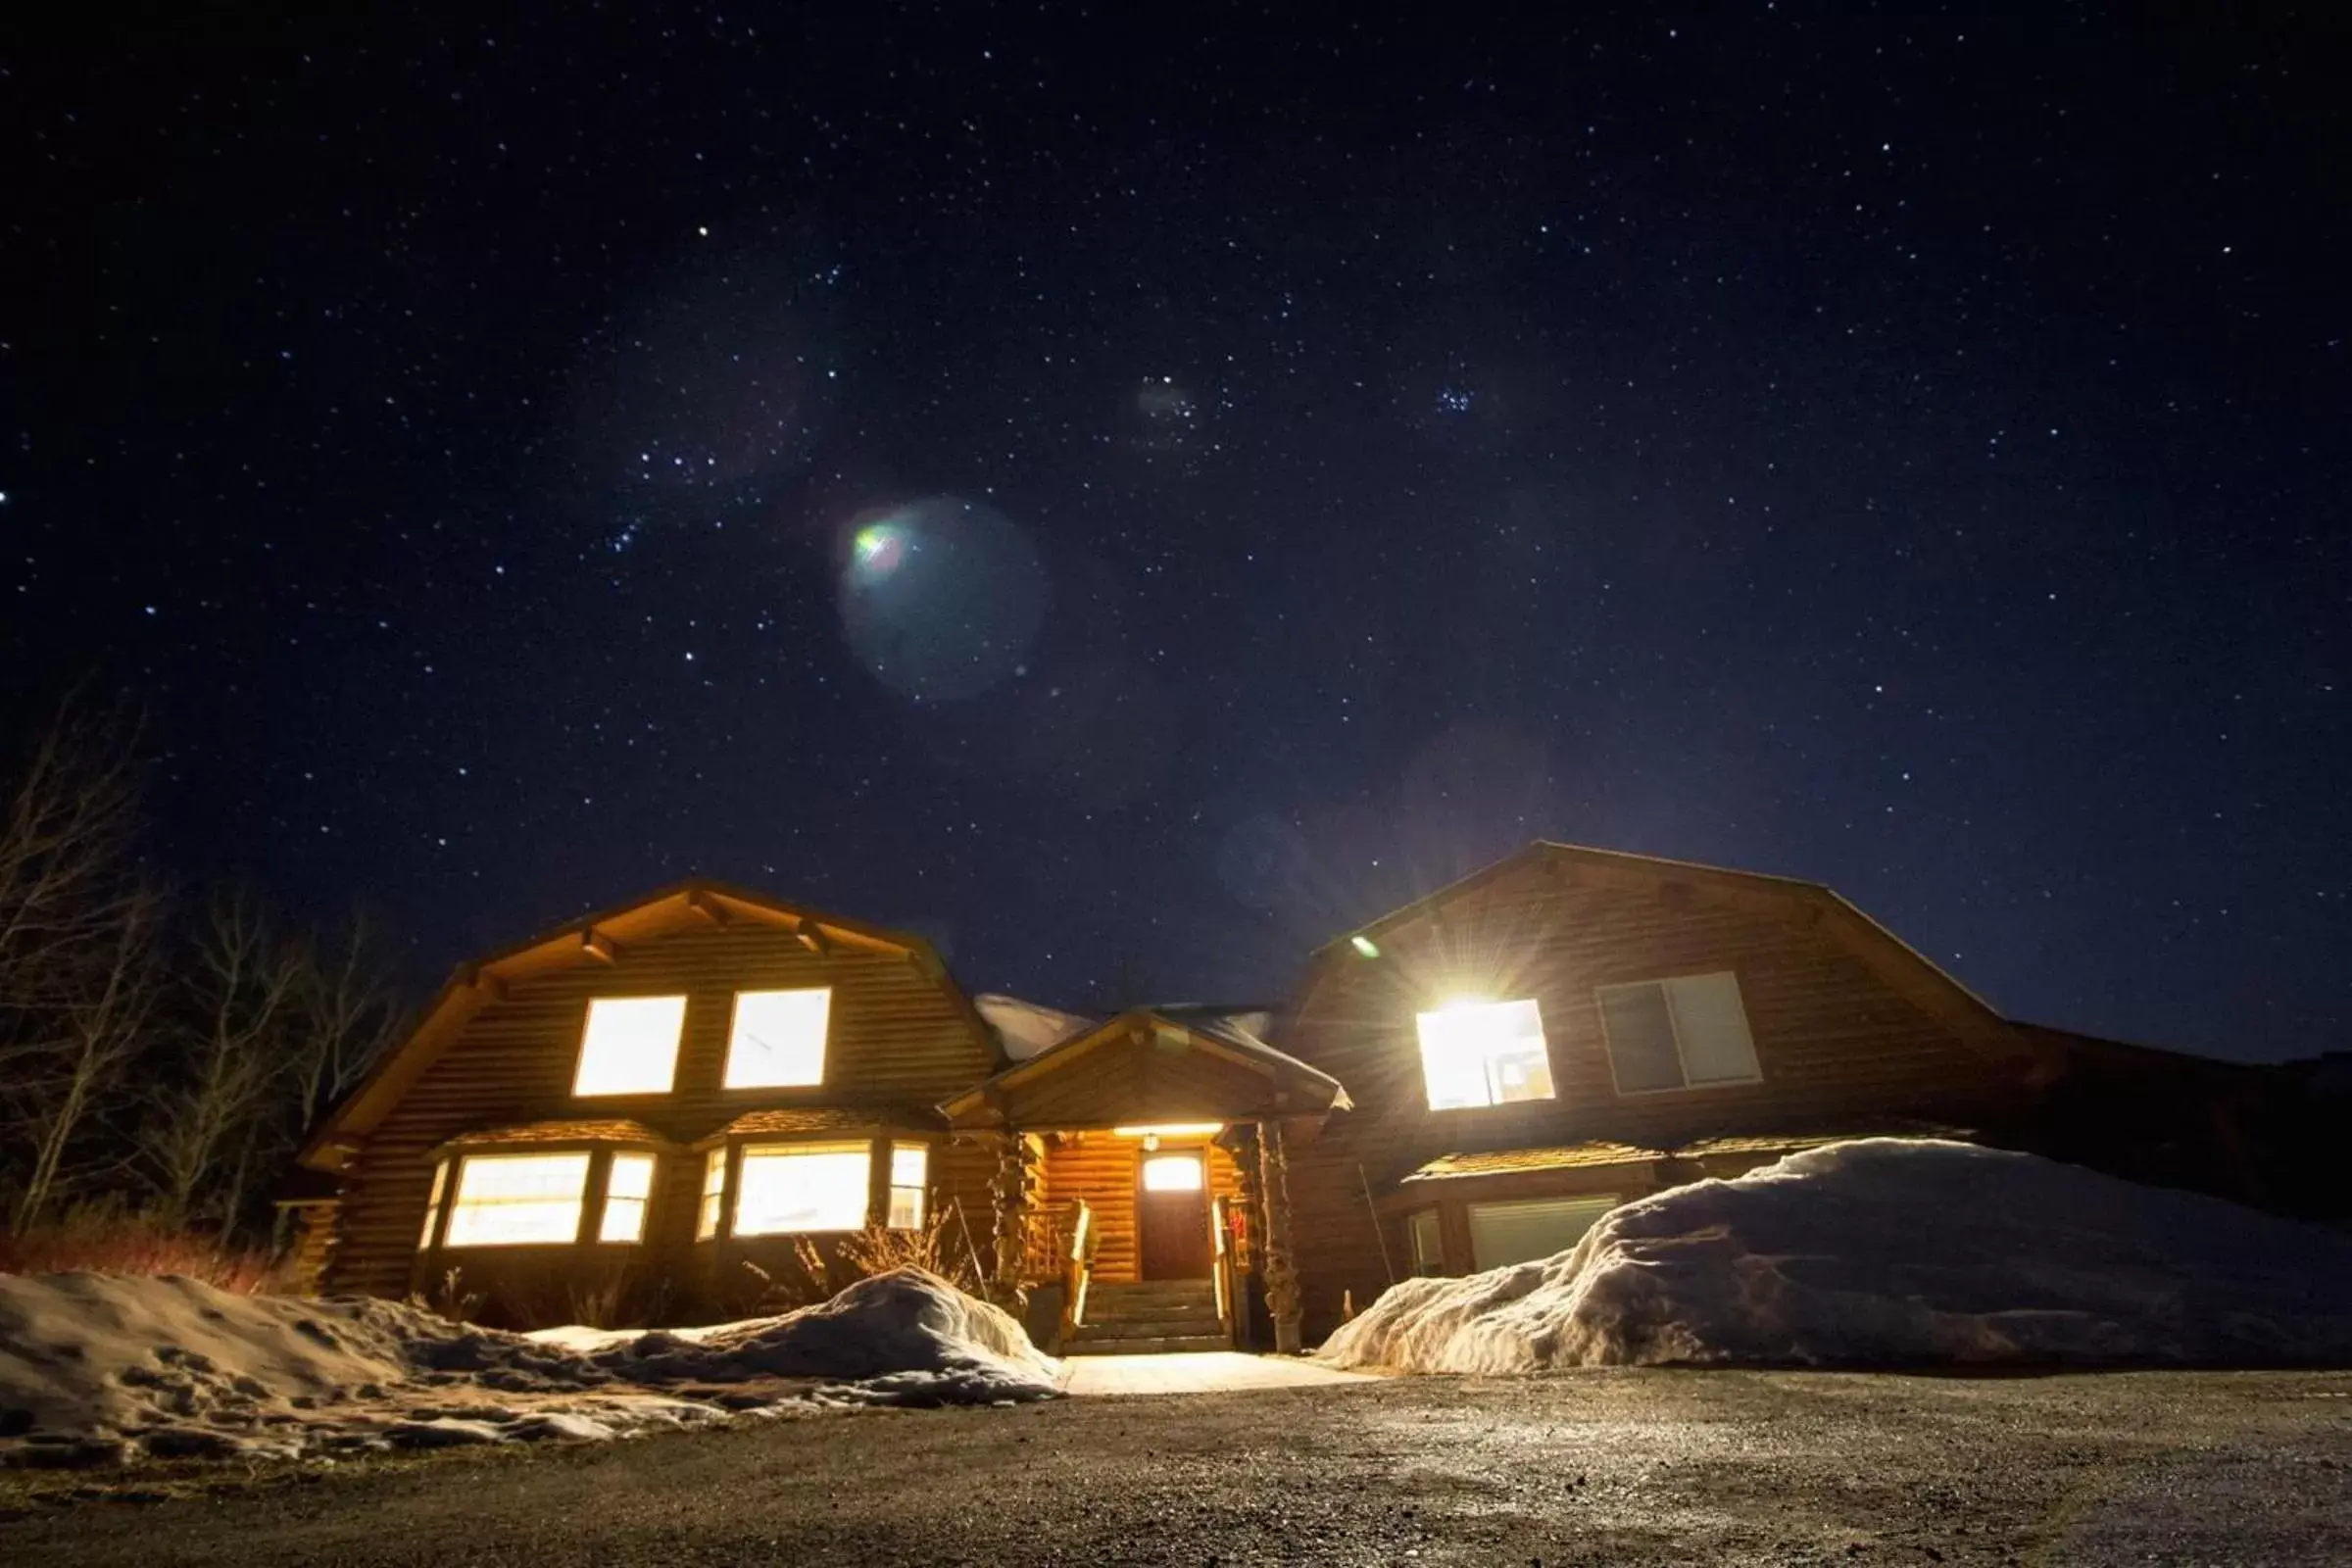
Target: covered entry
<point>1144,1173</point>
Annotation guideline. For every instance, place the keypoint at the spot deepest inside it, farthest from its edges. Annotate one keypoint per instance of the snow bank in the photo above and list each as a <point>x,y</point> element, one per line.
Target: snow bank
<point>1890,1252</point>
<point>96,1368</point>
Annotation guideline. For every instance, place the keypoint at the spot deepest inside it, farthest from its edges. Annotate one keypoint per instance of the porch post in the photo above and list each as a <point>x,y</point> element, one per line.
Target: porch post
<point>1015,1190</point>
<point>1280,1269</point>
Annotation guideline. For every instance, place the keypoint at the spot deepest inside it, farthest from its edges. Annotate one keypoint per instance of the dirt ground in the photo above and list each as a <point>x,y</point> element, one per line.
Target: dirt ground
<point>1592,1467</point>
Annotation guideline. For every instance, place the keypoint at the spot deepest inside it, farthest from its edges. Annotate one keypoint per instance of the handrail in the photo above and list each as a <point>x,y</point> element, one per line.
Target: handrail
<point>1221,1263</point>
<point>1077,1267</point>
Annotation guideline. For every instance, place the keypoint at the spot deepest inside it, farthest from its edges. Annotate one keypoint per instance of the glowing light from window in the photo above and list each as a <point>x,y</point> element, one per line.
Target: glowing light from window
<point>789,1190</point>
<point>630,1046</point>
<point>1173,1173</point>
<point>626,1191</point>
<point>518,1200</point>
<point>1483,1054</point>
<point>778,1040</point>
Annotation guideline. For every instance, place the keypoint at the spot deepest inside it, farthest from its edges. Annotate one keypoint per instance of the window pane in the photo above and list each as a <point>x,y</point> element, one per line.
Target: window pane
<point>1483,1054</point>
<point>785,1191</point>
<point>626,1188</point>
<point>630,1046</point>
<point>778,1039</point>
<point>1640,1038</point>
<point>714,1189</point>
<point>1515,1233</point>
<point>1713,1028</point>
<point>1173,1173</point>
<point>1428,1250</point>
<point>510,1199</point>
<point>908,1165</point>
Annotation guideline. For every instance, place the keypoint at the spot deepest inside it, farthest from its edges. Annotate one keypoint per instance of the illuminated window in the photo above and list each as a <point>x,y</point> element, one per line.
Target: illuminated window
<point>1173,1173</point>
<point>627,1189</point>
<point>630,1046</point>
<point>1483,1054</point>
<point>909,1166</point>
<point>1684,1033</point>
<point>715,1195</point>
<point>785,1190</point>
<point>518,1200</point>
<point>432,1205</point>
<point>778,1041</point>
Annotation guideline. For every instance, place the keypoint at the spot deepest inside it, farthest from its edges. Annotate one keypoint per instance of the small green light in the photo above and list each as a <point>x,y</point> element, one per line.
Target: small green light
<point>1365,946</point>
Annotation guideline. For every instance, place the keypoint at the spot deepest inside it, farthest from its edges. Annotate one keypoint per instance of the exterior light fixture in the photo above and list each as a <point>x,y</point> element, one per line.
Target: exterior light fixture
<point>1365,945</point>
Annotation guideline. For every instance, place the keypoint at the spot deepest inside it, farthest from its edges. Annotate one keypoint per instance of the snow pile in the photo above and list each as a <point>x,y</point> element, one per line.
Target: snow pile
<point>98,1368</point>
<point>905,1338</point>
<point>1890,1252</point>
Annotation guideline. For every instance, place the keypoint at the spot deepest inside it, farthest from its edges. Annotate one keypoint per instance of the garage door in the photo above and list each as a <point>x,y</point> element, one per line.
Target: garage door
<point>1513,1233</point>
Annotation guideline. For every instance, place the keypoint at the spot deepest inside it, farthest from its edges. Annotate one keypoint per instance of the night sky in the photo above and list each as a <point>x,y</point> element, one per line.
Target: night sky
<point>1130,496</point>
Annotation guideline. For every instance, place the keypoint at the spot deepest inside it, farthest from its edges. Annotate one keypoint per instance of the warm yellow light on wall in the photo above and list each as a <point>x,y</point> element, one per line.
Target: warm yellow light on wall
<point>1173,1129</point>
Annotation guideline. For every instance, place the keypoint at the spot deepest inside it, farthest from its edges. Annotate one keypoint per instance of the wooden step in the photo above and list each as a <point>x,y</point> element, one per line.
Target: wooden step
<point>1165,1346</point>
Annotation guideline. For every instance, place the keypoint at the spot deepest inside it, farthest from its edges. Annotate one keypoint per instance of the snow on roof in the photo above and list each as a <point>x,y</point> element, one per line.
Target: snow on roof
<point>1028,1027</point>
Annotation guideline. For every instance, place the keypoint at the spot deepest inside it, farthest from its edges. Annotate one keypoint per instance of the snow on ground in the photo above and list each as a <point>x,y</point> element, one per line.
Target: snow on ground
<point>97,1368</point>
<point>1890,1252</point>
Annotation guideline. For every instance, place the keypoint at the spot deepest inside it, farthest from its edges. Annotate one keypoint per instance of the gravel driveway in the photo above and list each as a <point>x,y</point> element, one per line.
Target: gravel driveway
<point>1592,1467</point>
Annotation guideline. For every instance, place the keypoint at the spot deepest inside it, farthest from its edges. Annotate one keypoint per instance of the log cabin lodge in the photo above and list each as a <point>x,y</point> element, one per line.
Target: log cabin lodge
<point>671,1102</point>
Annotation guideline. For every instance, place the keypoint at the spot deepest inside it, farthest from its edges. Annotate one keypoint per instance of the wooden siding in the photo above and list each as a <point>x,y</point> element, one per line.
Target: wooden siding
<point>1104,1171</point>
<point>900,1040</point>
<point>1843,1040</point>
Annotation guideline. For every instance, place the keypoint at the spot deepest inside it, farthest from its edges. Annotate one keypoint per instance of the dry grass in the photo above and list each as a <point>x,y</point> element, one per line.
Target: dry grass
<point>105,1240</point>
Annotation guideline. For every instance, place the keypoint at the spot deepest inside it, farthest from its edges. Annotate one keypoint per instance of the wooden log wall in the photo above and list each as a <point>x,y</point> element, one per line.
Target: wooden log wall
<point>898,1039</point>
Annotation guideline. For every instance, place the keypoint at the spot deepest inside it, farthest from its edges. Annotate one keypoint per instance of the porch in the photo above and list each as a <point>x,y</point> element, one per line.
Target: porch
<point>1141,1199</point>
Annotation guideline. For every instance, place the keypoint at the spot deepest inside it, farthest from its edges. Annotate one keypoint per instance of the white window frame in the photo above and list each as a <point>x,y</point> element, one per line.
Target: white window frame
<point>1665,986</point>
<point>458,1208</point>
<point>740,1060</point>
<point>1543,1039</point>
<point>754,1153</point>
<point>432,1205</point>
<point>916,1193</point>
<point>621,1006</point>
<point>626,1212</point>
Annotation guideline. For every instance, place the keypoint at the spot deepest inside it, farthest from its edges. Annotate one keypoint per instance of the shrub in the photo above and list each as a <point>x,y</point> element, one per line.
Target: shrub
<point>109,1239</point>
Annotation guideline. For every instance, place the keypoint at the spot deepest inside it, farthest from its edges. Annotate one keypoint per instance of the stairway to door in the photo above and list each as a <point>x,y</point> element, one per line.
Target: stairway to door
<point>1148,1318</point>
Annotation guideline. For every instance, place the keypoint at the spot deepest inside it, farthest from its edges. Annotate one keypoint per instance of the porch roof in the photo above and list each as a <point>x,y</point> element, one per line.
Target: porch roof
<point>1148,1066</point>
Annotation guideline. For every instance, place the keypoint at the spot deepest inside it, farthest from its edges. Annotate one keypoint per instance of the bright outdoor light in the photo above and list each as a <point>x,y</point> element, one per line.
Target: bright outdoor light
<point>1173,1129</point>
<point>1483,1054</point>
<point>1365,945</point>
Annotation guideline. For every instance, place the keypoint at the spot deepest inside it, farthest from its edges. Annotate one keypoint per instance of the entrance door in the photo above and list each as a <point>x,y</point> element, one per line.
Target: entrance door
<point>1171,1211</point>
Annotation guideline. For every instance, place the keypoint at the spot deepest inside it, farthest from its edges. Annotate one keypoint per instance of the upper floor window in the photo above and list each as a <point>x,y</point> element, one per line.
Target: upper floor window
<point>630,1046</point>
<point>1683,1033</point>
<point>778,1041</point>
<point>518,1200</point>
<point>1483,1054</point>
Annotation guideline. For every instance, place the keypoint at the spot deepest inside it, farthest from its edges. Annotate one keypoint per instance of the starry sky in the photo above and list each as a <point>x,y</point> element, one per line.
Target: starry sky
<point>1132,492</point>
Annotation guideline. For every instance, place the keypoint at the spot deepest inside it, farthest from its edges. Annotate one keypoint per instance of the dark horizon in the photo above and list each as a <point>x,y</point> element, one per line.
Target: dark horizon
<point>1135,499</point>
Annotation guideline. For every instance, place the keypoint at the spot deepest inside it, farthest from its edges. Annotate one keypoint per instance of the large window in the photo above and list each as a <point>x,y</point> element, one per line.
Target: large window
<point>778,1041</point>
<point>1483,1054</point>
<point>518,1200</point>
<point>627,1189</point>
<point>1684,1033</point>
<point>790,1187</point>
<point>630,1046</point>
<point>1531,1228</point>
<point>910,1174</point>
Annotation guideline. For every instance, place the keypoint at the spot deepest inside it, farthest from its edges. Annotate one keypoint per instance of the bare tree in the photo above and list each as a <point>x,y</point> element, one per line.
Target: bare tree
<point>76,957</point>
<point>349,1010</point>
<point>202,1132</point>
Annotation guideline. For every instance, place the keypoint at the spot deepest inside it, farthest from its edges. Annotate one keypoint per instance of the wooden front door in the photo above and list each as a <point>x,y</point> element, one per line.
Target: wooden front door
<point>1171,1211</point>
